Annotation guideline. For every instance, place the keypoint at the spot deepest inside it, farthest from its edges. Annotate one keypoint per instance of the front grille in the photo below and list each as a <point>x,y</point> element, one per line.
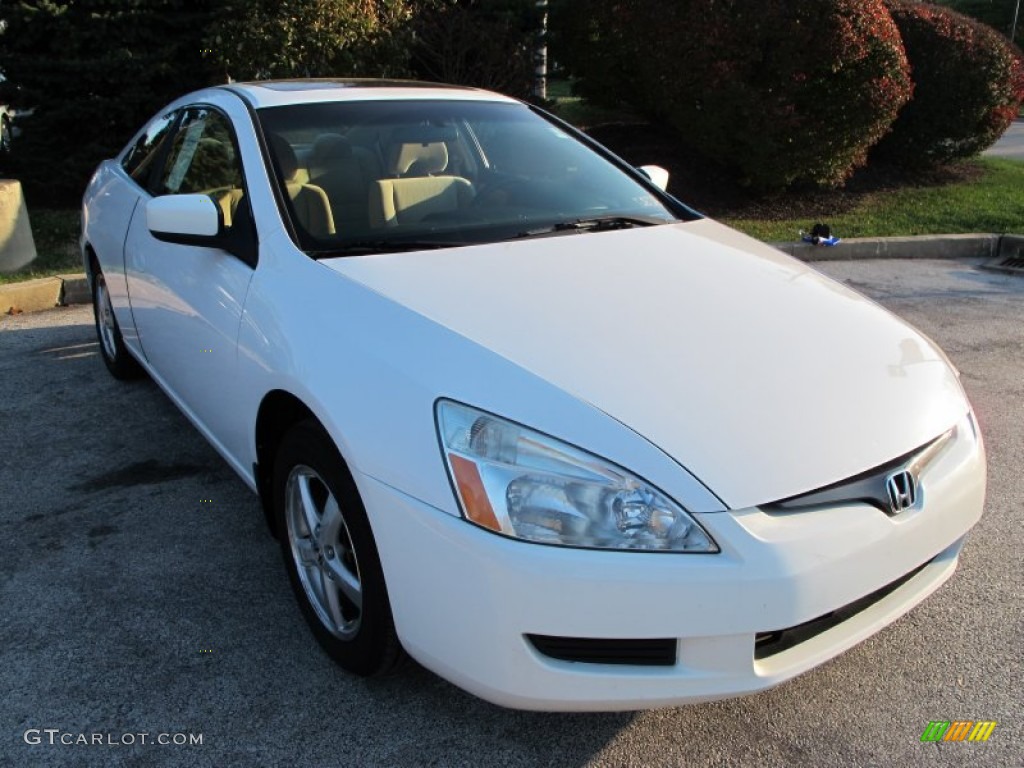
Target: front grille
<point>767,644</point>
<point>870,487</point>
<point>648,653</point>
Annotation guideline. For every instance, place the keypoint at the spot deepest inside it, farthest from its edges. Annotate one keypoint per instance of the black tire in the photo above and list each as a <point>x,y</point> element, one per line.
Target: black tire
<point>116,356</point>
<point>361,638</point>
<point>6,136</point>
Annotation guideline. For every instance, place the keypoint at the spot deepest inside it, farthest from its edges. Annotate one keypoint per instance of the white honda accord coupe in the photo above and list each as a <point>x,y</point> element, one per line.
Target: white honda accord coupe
<point>514,410</point>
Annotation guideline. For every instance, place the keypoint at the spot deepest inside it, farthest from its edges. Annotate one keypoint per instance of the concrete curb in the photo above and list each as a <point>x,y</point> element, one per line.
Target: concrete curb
<point>63,290</point>
<point>44,293</point>
<point>31,295</point>
<point>923,247</point>
<point>76,290</point>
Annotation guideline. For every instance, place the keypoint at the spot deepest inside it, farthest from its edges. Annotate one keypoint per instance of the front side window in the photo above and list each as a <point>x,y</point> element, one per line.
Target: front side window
<point>138,161</point>
<point>203,160</point>
<point>383,175</point>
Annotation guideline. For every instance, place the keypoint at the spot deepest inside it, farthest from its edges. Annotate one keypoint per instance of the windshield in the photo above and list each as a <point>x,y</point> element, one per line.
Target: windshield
<point>391,175</point>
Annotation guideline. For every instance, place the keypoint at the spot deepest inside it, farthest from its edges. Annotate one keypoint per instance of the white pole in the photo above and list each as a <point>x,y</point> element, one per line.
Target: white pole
<point>1016,15</point>
<point>540,83</point>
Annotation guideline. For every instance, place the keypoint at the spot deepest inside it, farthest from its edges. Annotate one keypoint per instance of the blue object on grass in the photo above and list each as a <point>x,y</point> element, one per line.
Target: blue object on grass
<point>822,240</point>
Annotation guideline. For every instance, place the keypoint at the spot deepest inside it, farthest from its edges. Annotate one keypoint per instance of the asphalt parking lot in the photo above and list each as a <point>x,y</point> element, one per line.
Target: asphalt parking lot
<point>140,593</point>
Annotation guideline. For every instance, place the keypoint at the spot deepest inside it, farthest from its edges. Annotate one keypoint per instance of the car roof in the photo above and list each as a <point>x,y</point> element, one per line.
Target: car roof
<point>276,93</point>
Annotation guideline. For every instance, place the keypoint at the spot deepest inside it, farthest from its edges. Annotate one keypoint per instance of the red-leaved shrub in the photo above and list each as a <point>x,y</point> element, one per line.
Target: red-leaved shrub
<point>968,86</point>
<point>783,92</point>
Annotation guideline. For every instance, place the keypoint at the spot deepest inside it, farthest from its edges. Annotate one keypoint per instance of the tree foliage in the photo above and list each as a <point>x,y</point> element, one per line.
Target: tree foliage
<point>93,71</point>
<point>998,14</point>
<point>258,39</point>
<point>969,85</point>
<point>594,42</point>
<point>785,93</point>
<point>484,43</point>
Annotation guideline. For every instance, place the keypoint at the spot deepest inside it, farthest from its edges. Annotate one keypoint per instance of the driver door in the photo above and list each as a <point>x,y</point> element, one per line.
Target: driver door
<point>187,300</point>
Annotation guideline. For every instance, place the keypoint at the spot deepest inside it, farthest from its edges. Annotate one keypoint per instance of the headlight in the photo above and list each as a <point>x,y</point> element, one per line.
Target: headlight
<point>520,483</point>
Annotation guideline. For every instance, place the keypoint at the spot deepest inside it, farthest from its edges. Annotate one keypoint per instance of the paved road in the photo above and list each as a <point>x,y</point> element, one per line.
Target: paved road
<point>1011,144</point>
<point>115,577</point>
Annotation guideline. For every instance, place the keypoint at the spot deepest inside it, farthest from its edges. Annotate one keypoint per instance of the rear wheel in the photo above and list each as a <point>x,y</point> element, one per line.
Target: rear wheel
<point>115,355</point>
<point>330,553</point>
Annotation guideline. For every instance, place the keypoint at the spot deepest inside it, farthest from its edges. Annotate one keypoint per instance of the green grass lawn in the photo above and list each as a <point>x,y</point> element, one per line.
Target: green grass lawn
<point>991,202</point>
<point>55,232</point>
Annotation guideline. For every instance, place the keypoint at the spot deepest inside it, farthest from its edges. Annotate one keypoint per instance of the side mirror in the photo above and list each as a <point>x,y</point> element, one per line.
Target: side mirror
<point>198,220</point>
<point>657,175</point>
<point>185,219</point>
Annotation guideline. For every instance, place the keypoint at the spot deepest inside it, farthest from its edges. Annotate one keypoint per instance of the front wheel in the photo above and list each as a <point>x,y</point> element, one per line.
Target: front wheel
<point>330,553</point>
<point>115,355</point>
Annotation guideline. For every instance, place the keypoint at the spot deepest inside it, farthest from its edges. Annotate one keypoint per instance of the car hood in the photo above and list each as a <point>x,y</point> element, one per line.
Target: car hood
<point>762,377</point>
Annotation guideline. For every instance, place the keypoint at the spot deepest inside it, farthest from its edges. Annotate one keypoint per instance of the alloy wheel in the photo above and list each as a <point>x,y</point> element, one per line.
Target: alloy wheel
<point>105,319</point>
<point>321,547</point>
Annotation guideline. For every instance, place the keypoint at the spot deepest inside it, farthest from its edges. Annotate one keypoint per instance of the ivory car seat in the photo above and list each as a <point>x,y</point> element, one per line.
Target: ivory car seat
<point>401,201</point>
<point>309,202</point>
<point>345,178</point>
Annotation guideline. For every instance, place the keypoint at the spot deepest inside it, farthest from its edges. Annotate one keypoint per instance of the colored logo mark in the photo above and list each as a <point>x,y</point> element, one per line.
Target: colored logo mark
<point>958,730</point>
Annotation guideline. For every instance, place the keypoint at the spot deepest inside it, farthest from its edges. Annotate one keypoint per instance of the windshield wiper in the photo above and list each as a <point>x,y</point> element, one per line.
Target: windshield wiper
<point>596,224</point>
<point>364,247</point>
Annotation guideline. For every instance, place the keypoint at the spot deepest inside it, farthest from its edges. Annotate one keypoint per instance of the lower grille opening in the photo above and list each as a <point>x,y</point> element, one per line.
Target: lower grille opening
<point>649,653</point>
<point>767,644</point>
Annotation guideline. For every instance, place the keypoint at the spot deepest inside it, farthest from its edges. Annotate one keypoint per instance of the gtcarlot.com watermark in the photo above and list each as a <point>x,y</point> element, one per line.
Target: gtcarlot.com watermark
<point>56,736</point>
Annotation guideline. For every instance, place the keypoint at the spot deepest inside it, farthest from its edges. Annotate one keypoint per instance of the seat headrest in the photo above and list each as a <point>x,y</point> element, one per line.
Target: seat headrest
<point>338,150</point>
<point>330,146</point>
<point>287,162</point>
<point>331,152</point>
<point>420,159</point>
<point>324,142</point>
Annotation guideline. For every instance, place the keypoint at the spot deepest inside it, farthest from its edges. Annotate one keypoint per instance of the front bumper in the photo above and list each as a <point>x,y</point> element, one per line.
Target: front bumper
<point>465,600</point>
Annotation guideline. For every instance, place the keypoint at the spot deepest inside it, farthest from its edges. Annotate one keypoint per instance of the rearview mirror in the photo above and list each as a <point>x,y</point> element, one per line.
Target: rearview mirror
<point>185,219</point>
<point>657,175</point>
